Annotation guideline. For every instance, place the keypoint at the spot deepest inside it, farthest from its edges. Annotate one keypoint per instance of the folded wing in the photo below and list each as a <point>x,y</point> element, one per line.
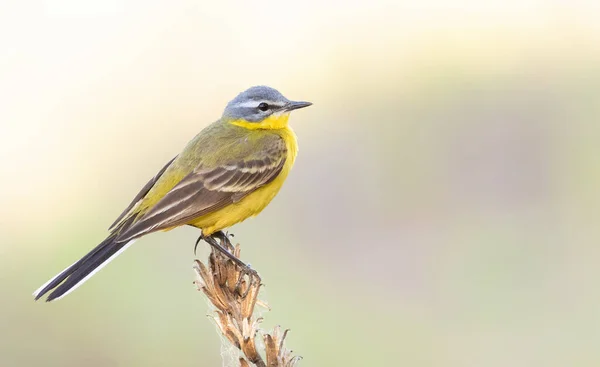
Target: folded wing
<point>209,188</point>
<point>141,194</point>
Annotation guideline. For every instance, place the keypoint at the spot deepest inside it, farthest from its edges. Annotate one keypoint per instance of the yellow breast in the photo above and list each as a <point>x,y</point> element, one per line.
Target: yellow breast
<point>254,203</point>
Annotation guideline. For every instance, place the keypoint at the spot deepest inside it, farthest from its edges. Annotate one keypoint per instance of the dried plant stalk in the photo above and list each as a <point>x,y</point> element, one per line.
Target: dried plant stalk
<point>235,295</point>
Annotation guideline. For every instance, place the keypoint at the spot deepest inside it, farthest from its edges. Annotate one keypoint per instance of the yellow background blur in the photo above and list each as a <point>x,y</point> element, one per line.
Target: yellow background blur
<point>443,210</point>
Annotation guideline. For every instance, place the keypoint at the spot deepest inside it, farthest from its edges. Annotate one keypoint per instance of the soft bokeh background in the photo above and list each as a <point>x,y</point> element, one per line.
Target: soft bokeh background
<point>443,210</point>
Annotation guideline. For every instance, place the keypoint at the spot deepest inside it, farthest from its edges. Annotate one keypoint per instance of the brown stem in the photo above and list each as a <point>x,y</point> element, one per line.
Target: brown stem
<point>234,294</point>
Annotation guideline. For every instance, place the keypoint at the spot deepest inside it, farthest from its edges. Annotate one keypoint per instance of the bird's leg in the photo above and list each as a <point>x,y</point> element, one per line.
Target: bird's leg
<point>224,238</point>
<point>212,240</point>
<point>221,236</point>
<point>226,248</point>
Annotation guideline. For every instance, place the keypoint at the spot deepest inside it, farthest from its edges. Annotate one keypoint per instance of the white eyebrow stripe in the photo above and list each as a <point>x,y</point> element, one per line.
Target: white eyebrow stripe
<point>256,103</point>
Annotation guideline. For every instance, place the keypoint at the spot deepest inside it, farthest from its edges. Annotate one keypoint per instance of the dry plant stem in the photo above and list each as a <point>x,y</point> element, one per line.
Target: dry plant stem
<point>234,295</point>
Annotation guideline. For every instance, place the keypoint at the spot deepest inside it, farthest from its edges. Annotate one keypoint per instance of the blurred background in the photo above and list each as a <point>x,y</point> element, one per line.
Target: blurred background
<point>443,210</point>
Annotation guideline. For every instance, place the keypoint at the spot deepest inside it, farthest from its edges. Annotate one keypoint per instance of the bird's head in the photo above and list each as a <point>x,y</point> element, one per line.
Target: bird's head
<point>261,107</point>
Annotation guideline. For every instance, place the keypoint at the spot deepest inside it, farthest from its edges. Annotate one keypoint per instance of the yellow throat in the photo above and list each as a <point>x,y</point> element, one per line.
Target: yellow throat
<point>273,122</point>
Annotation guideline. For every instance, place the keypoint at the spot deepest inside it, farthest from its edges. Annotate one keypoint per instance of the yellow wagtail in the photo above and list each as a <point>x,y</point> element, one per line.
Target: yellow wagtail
<point>230,171</point>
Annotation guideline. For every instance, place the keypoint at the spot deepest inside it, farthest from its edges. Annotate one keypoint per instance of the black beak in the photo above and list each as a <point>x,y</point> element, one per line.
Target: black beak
<point>293,105</point>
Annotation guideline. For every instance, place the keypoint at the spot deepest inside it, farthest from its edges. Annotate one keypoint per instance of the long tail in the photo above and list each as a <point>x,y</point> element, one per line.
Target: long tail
<point>75,275</point>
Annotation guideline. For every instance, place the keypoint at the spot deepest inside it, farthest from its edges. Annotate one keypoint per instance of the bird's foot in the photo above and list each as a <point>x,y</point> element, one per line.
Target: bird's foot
<point>224,238</point>
<point>224,246</point>
<point>221,236</point>
<point>242,283</point>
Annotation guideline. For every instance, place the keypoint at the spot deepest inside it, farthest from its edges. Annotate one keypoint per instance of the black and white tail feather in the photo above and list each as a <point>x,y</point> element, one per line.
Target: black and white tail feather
<point>75,275</point>
<point>72,277</point>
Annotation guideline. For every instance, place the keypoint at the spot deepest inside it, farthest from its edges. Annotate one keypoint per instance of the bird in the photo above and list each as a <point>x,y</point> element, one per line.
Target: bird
<point>228,172</point>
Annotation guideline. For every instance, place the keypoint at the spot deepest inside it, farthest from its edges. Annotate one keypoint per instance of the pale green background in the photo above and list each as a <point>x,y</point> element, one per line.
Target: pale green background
<point>443,210</point>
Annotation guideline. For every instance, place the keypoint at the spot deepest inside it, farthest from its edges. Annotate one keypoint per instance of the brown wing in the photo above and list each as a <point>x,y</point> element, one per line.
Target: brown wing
<point>142,193</point>
<point>208,189</point>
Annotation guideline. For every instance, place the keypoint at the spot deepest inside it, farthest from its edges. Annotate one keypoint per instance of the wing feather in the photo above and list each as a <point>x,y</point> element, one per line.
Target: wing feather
<point>141,194</point>
<point>207,189</point>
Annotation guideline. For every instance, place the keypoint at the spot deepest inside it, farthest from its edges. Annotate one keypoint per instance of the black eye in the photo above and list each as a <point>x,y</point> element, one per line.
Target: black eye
<point>263,106</point>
